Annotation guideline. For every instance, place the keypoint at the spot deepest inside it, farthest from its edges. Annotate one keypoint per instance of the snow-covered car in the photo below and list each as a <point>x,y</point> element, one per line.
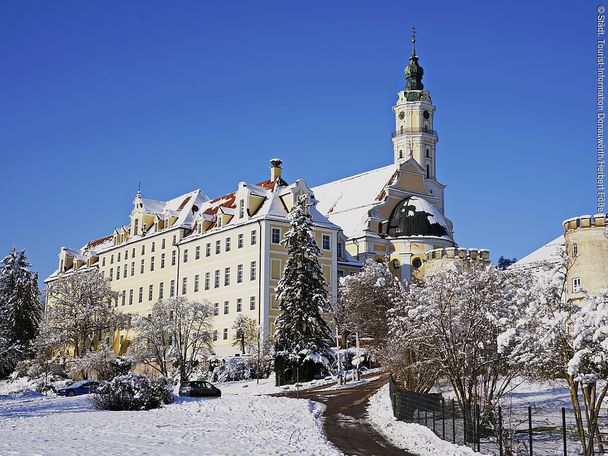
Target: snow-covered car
<point>199,389</point>
<point>80,387</point>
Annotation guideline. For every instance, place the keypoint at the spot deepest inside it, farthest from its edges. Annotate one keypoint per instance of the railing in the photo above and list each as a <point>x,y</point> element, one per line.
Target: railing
<point>413,131</point>
<point>533,431</point>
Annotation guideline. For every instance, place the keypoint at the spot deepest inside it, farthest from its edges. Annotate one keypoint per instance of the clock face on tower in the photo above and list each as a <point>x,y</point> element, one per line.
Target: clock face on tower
<point>426,115</point>
<point>401,115</point>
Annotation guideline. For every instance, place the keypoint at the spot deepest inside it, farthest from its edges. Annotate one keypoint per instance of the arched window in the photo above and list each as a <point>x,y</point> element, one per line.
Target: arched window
<point>428,171</point>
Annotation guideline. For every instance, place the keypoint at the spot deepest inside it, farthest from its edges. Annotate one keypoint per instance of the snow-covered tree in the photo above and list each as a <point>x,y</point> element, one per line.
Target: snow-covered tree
<point>175,333</point>
<point>366,297</point>
<point>20,308</point>
<point>245,333</point>
<point>80,311</point>
<point>556,338</point>
<point>301,331</point>
<point>449,326</point>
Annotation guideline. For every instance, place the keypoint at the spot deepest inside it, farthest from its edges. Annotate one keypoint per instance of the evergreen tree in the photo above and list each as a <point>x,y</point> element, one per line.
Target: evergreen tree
<point>20,306</point>
<point>301,332</point>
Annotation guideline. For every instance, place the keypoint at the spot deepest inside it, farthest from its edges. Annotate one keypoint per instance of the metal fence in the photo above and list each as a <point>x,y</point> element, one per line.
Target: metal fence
<point>517,431</point>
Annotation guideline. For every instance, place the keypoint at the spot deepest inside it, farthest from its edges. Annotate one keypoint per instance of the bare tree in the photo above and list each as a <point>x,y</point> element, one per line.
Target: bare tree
<point>245,333</point>
<point>80,310</point>
<point>365,299</point>
<point>559,338</point>
<point>450,324</point>
<point>176,332</point>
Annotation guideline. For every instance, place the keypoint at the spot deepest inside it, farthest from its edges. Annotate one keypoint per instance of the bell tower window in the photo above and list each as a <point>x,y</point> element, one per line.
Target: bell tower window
<point>428,171</point>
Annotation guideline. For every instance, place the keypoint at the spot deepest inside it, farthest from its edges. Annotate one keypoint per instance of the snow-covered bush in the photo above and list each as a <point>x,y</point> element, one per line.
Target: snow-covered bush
<point>133,392</point>
<point>240,368</point>
<point>102,363</point>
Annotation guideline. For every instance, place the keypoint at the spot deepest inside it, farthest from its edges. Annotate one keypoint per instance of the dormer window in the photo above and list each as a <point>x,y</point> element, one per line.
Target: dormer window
<point>218,221</point>
<point>241,208</point>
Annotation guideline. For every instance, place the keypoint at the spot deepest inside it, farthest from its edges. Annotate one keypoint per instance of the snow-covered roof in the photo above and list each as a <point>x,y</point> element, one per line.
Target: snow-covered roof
<point>550,253</point>
<point>347,202</point>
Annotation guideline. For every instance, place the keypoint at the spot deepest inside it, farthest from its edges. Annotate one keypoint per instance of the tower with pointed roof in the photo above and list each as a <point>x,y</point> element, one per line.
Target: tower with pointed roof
<point>414,135</point>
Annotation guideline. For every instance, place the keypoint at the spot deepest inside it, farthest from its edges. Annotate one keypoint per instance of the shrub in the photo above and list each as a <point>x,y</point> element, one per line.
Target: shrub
<point>103,362</point>
<point>240,368</point>
<point>133,392</point>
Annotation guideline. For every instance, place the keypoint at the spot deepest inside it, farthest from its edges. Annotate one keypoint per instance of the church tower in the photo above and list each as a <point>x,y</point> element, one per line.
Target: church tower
<point>414,136</point>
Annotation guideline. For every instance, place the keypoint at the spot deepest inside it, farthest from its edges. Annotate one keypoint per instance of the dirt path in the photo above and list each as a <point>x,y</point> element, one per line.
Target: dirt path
<point>345,421</point>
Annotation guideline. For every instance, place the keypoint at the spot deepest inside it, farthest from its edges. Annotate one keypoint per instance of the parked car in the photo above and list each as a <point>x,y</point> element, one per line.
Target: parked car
<point>199,389</point>
<point>80,387</point>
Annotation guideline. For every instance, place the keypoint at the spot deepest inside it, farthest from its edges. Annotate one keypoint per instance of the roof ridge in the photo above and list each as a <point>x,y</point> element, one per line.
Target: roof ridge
<point>356,175</point>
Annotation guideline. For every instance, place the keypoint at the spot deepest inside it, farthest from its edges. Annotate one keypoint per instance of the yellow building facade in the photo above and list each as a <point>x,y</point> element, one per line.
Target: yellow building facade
<point>226,251</point>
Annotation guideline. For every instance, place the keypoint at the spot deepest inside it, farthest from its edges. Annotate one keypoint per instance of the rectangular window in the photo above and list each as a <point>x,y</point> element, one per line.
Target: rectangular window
<point>124,271</point>
<point>576,285</point>
<point>184,285</point>
<point>340,250</point>
<point>216,282</point>
<point>112,259</point>
<point>253,237</point>
<point>126,254</point>
<point>208,249</point>
<point>132,268</point>
<point>162,260</point>
<point>218,247</point>
<point>173,254</point>
<point>196,282</point>
<point>131,297</point>
<point>117,272</point>
<point>172,288</point>
<point>174,240</point>
<point>241,208</point>
<point>239,273</point>
<point>124,297</point>
<point>141,295</point>
<point>326,242</point>
<point>226,307</point>
<point>150,292</point>
<point>136,227</point>
<point>227,247</point>
<point>141,269</point>
<point>276,235</point>
<point>207,280</point>
<point>133,253</point>
<point>103,261</point>
<point>118,258</point>
<point>225,333</point>
<point>575,249</point>
<point>216,308</point>
<point>143,249</point>
<point>252,272</point>
<point>239,304</point>
<point>153,247</point>
<point>215,335</point>
<point>162,244</point>
<point>186,256</point>
<point>151,263</point>
<point>161,290</point>
<point>226,277</point>
<point>239,241</point>
<point>111,273</point>
<point>197,253</point>
<point>252,303</point>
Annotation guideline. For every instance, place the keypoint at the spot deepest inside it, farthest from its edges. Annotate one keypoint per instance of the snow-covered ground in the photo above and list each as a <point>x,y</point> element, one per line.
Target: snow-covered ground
<point>267,385</point>
<point>411,437</point>
<point>33,424</point>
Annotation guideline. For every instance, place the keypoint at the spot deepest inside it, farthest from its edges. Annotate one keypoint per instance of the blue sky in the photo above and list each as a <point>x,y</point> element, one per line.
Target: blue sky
<point>97,96</point>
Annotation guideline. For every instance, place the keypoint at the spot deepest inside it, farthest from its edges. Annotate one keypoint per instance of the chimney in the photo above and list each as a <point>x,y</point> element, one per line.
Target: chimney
<point>275,169</point>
